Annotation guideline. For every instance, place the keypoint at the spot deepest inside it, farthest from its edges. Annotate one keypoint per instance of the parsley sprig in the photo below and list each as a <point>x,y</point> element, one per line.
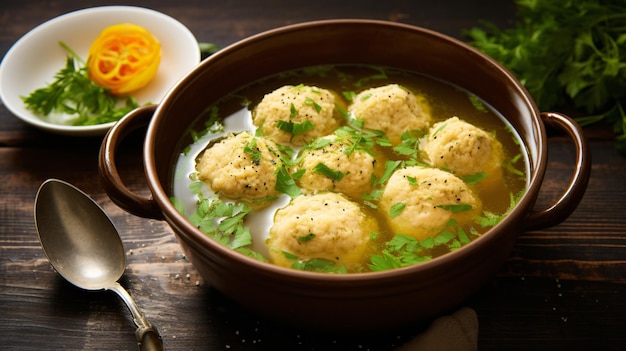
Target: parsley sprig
<point>567,52</point>
<point>74,94</point>
<point>221,221</point>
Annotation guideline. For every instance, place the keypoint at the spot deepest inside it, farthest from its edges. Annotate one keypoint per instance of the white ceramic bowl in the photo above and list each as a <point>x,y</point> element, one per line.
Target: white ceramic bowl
<point>34,59</point>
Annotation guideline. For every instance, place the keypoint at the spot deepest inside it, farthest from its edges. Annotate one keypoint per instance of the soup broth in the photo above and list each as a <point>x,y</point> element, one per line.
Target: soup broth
<point>246,227</point>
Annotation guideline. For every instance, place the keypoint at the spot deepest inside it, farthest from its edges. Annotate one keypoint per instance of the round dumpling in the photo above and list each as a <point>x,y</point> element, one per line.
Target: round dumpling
<point>462,148</point>
<point>392,109</point>
<point>297,114</point>
<point>241,167</point>
<point>420,201</point>
<point>323,226</point>
<point>336,164</point>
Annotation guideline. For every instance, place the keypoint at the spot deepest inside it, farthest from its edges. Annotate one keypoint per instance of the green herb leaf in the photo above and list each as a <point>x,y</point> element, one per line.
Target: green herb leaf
<point>390,167</point>
<point>313,103</point>
<point>295,128</point>
<point>74,94</point>
<point>319,265</point>
<point>223,222</point>
<point>396,209</point>
<point>444,237</point>
<point>251,149</point>
<point>384,262</point>
<point>456,207</point>
<point>328,172</point>
<point>349,95</point>
<point>306,238</point>
<point>477,103</point>
<point>566,53</point>
<point>207,49</point>
<point>474,178</point>
<point>401,251</point>
<point>292,111</point>
<point>285,183</point>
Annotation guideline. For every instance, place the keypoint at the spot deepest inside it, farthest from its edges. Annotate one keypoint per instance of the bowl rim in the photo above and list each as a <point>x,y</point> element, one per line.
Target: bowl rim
<point>192,234</point>
<point>186,36</point>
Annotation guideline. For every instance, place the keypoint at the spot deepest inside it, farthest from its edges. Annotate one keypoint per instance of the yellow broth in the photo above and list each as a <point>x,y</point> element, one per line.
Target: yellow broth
<point>234,114</point>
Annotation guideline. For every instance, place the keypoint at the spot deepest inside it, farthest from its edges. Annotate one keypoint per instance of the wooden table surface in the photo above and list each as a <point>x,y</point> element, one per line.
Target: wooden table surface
<point>563,288</point>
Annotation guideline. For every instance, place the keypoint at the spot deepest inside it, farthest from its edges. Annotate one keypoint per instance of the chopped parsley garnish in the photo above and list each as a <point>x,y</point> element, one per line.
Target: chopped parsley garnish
<point>382,74</point>
<point>313,103</point>
<point>295,128</point>
<point>404,250</point>
<point>508,165</point>
<point>490,219</point>
<point>319,143</point>
<point>251,149</point>
<point>212,125</point>
<point>477,103</point>
<point>292,111</point>
<point>456,208</point>
<point>349,95</point>
<point>390,167</point>
<point>221,221</point>
<point>298,174</point>
<point>474,178</point>
<point>75,94</point>
<point>441,127</point>
<point>396,209</point>
<point>319,265</point>
<point>409,145</point>
<point>306,238</point>
<point>411,180</point>
<point>329,172</point>
<point>361,140</point>
<point>285,183</point>
<point>401,251</point>
<point>314,264</point>
<point>365,97</point>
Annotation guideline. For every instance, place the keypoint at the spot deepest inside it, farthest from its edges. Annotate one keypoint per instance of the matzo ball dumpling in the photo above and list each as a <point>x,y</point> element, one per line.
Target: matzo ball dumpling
<point>322,226</point>
<point>241,167</point>
<point>297,114</point>
<point>463,149</point>
<point>392,109</point>
<point>337,164</point>
<point>420,201</point>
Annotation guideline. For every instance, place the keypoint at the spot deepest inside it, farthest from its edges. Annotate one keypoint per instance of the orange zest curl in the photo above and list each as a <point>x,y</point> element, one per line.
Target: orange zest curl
<point>124,58</point>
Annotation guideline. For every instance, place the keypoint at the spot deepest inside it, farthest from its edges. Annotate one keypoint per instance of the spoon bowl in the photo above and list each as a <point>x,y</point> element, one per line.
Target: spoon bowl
<point>84,247</point>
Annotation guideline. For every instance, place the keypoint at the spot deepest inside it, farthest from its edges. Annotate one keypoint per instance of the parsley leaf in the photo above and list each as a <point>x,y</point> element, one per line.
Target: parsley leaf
<point>396,209</point>
<point>251,149</point>
<point>222,221</point>
<point>295,128</point>
<point>566,52</point>
<point>74,94</point>
<point>456,208</point>
<point>285,183</point>
<point>328,172</point>
<point>473,179</point>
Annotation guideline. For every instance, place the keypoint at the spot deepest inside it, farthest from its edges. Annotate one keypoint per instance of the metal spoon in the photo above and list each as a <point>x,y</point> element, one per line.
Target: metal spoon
<point>84,247</point>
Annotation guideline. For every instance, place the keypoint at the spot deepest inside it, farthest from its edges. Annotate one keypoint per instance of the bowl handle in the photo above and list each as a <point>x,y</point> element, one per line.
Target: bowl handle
<point>557,213</point>
<point>119,193</point>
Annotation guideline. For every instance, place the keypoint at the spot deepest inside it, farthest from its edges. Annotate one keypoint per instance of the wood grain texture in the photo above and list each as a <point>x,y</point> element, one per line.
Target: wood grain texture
<point>563,288</point>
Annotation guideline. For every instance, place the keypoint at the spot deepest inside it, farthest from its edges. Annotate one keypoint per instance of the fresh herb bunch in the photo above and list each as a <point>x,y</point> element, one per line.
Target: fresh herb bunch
<point>73,93</point>
<point>566,52</point>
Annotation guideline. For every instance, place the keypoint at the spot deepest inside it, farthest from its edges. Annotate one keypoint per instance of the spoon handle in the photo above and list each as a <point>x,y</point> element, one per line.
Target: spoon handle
<point>148,338</point>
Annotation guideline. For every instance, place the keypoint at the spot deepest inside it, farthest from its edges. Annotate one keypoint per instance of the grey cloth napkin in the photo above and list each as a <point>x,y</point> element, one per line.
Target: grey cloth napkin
<point>455,332</point>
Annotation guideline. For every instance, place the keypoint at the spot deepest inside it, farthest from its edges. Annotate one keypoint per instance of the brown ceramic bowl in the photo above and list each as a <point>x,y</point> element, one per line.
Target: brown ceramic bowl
<point>353,301</point>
